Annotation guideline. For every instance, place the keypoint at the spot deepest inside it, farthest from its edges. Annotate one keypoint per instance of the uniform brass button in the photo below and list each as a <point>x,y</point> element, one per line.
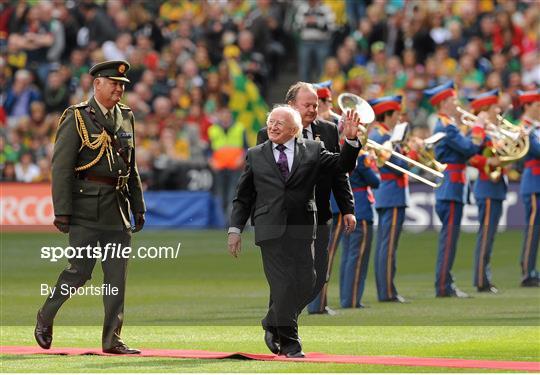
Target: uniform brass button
<point>115,137</point>
<point>80,191</point>
<point>117,154</point>
<point>120,171</point>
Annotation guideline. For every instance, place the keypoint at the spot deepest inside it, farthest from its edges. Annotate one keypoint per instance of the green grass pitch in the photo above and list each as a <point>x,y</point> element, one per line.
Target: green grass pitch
<point>207,300</point>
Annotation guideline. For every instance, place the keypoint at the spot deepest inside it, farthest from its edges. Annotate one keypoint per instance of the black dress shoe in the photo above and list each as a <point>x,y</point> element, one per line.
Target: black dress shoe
<point>271,341</point>
<point>43,332</point>
<point>397,298</point>
<point>298,354</point>
<point>530,283</point>
<point>488,289</point>
<point>122,349</point>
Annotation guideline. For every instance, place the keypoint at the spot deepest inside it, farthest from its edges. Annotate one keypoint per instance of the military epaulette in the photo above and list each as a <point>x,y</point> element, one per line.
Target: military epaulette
<point>80,105</point>
<point>124,107</point>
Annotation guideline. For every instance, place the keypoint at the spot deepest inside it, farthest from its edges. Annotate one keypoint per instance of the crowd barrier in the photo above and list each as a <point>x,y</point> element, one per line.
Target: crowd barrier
<point>29,206</point>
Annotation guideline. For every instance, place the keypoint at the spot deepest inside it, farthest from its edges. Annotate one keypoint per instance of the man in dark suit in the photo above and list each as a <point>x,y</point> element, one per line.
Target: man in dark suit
<point>277,189</point>
<point>303,97</point>
<point>95,190</point>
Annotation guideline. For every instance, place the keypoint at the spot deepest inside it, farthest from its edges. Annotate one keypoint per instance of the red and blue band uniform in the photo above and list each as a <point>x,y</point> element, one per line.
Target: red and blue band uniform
<point>489,195</point>
<point>357,245</point>
<point>530,193</point>
<point>390,203</point>
<point>454,150</point>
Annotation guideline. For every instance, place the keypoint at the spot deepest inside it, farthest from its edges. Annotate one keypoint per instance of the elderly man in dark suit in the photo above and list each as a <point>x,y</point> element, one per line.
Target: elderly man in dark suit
<point>277,189</point>
<point>303,97</point>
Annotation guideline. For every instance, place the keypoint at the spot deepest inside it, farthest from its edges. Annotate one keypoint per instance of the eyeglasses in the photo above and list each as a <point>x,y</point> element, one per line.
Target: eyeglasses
<point>272,122</point>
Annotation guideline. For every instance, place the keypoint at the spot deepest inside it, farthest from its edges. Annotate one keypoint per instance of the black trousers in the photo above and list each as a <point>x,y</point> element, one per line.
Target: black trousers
<point>288,266</point>
<point>80,270</point>
<point>321,263</point>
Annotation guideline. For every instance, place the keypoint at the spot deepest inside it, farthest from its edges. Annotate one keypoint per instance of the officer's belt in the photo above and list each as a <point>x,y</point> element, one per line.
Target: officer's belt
<point>118,182</point>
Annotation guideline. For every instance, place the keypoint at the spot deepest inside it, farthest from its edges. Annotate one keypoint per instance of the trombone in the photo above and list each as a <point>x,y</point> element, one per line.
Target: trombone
<point>378,147</point>
<point>349,101</point>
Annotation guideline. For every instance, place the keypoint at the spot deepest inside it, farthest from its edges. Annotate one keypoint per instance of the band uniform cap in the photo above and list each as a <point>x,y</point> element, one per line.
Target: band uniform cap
<point>528,96</point>
<point>441,92</point>
<point>484,99</point>
<point>115,70</point>
<point>324,89</point>
<point>385,104</point>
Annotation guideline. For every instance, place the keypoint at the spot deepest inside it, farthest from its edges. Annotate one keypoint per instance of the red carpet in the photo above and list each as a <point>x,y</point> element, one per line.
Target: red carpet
<point>310,357</point>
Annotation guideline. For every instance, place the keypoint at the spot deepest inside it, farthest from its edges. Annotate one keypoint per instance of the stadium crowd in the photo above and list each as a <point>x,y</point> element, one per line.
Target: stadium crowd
<point>183,55</point>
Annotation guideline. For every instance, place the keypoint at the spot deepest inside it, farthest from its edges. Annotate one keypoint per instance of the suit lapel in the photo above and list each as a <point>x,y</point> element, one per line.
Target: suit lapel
<point>269,155</point>
<point>299,150</point>
<point>316,131</point>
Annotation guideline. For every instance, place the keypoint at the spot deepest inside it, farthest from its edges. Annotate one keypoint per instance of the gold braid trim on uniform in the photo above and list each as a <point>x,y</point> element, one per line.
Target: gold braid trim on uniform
<point>103,142</point>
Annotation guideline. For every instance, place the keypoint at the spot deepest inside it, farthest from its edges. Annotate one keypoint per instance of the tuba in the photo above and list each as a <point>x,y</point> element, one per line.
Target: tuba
<point>349,101</point>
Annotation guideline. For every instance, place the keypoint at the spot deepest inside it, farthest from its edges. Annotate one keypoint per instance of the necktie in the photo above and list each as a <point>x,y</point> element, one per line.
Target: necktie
<point>282,162</point>
<point>304,133</point>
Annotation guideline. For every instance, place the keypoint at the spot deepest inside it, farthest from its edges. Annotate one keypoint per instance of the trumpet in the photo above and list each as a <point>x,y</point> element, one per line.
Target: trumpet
<point>468,119</point>
<point>349,101</point>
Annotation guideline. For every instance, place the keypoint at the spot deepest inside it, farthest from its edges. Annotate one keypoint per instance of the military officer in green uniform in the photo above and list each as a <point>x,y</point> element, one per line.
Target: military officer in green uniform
<point>96,188</point>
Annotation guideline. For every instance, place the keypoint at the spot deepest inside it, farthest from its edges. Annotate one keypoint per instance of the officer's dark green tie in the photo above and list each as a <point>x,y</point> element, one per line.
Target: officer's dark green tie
<point>109,117</point>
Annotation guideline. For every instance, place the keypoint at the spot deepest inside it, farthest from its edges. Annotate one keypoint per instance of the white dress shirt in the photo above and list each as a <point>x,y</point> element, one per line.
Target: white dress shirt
<point>309,132</point>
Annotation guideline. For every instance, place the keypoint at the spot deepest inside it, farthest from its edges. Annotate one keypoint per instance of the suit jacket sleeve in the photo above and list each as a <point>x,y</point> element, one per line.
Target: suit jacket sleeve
<point>343,162</point>
<point>64,160</point>
<point>134,182</point>
<point>245,197</point>
<point>341,186</point>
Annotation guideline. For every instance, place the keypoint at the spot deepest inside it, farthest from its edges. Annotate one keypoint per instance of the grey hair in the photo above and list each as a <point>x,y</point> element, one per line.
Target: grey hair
<point>292,93</point>
<point>295,115</point>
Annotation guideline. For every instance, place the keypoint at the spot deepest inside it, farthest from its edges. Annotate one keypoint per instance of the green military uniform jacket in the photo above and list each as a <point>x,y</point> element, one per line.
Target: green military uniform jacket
<point>88,143</point>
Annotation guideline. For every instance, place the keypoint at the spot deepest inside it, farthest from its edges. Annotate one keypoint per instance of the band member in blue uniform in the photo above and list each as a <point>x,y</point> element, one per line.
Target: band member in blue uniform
<point>454,150</point>
<point>324,112</point>
<point>530,188</point>
<point>357,245</point>
<point>489,192</point>
<point>390,199</point>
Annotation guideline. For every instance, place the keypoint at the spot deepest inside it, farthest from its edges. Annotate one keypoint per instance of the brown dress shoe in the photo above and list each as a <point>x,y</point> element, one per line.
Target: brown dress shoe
<point>43,332</point>
<point>121,349</point>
